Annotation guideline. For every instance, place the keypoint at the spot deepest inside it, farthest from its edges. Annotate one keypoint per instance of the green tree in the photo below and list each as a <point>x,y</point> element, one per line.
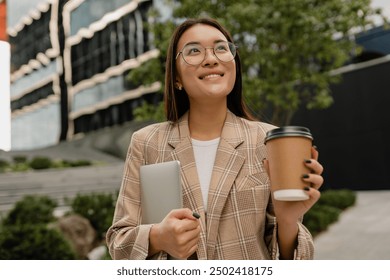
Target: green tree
<point>288,48</point>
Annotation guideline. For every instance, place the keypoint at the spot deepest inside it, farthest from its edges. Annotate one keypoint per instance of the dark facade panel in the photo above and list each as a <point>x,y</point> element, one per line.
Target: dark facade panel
<point>376,40</point>
<point>119,41</point>
<point>33,97</point>
<point>25,46</point>
<point>353,134</point>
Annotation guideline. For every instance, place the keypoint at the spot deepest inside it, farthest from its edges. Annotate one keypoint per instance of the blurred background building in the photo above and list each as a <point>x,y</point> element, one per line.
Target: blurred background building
<point>69,65</point>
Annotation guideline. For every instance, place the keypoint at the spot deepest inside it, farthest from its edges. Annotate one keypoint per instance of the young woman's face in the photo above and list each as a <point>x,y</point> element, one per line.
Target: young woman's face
<point>212,79</point>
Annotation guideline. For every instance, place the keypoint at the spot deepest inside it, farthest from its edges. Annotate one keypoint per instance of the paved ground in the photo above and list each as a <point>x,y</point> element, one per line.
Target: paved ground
<point>361,233</point>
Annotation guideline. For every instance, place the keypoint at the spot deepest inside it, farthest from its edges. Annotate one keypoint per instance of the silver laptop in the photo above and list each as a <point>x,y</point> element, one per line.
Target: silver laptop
<point>160,190</point>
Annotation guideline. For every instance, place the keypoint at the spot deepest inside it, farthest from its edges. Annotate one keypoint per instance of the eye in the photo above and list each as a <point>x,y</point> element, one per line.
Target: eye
<point>221,47</point>
<point>190,50</point>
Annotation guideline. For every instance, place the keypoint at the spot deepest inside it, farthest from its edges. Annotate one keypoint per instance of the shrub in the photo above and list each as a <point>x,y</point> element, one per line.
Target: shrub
<point>19,159</point>
<point>319,217</point>
<point>65,163</point>
<point>33,242</point>
<point>25,234</point>
<point>340,199</point>
<point>81,162</point>
<point>20,163</point>
<point>327,209</point>
<point>31,210</point>
<point>98,208</point>
<point>40,163</point>
<point>3,165</point>
<point>20,167</point>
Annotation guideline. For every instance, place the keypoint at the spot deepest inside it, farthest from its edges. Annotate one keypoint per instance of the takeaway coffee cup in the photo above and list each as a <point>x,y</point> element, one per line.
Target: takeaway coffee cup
<point>287,149</point>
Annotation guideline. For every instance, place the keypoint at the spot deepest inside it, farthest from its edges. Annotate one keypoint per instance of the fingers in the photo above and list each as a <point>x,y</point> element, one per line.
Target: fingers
<point>179,233</point>
<point>313,193</point>
<point>183,213</point>
<point>314,152</point>
<point>314,179</point>
<point>181,221</point>
<point>314,165</point>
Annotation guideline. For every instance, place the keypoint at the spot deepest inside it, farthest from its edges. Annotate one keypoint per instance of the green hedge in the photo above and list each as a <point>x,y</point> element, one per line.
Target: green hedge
<point>340,199</point>
<point>41,163</point>
<point>21,163</point>
<point>327,209</point>
<point>98,208</point>
<point>33,242</point>
<point>25,233</point>
<point>31,209</point>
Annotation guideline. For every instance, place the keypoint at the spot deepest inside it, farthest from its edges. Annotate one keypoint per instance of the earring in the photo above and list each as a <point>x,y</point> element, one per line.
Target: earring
<point>179,86</point>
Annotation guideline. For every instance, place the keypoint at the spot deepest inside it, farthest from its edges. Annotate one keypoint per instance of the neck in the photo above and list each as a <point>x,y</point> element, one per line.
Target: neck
<point>206,123</point>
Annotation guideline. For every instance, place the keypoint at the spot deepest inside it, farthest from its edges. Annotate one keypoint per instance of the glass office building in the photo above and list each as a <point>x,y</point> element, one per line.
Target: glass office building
<point>69,63</point>
<point>36,69</point>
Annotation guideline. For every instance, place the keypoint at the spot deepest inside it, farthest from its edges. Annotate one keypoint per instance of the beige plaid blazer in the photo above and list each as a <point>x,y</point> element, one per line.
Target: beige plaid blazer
<point>239,223</point>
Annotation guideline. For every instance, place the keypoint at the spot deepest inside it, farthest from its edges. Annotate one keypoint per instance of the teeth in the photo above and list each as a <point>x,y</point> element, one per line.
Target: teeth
<point>211,76</point>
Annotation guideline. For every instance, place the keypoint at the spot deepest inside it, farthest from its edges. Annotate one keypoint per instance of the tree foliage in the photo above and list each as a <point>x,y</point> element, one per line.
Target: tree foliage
<point>288,48</point>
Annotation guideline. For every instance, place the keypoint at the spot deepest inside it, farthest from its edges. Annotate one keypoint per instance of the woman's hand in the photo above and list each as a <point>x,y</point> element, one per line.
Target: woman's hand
<point>291,211</point>
<point>177,234</point>
<point>288,213</point>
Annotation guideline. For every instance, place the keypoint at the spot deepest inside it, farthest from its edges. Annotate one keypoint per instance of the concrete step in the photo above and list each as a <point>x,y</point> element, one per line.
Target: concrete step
<point>59,184</point>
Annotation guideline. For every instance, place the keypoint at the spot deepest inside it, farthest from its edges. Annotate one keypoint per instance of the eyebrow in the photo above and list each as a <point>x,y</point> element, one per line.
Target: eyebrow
<point>198,43</point>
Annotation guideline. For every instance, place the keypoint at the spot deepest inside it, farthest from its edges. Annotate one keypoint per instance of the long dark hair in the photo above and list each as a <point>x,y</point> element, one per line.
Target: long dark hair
<point>177,102</point>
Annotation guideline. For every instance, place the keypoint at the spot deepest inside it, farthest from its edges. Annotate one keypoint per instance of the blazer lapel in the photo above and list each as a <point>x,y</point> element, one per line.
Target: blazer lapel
<point>228,163</point>
<point>180,140</point>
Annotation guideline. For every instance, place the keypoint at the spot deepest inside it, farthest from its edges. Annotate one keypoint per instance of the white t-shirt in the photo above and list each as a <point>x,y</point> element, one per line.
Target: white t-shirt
<point>204,152</point>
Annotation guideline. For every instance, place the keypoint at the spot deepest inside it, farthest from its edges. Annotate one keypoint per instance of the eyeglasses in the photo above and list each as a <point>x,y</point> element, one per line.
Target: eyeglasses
<point>194,54</point>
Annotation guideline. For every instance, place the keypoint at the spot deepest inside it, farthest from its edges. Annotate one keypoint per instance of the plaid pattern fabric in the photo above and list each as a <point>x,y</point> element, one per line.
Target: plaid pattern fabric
<point>239,223</point>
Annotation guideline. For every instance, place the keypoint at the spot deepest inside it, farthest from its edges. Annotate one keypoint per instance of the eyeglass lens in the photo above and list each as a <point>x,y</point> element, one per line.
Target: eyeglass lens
<point>194,54</point>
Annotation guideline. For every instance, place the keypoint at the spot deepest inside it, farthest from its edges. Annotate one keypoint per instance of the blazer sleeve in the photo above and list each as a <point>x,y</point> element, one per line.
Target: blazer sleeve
<point>305,244</point>
<point>127,238</point>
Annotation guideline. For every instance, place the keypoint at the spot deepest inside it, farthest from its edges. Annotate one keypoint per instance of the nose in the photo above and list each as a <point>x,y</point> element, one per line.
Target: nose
<point>210,57</point>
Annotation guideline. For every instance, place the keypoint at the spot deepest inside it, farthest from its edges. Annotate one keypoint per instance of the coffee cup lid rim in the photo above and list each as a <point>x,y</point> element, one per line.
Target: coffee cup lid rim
<point>286,131</point>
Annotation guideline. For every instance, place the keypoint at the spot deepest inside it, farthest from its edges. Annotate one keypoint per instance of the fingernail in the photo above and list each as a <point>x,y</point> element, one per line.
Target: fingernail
<point>196,215</point>
<point>315,147</point>
<point>306,188</point>
<point>307,161</point>
<point>305,176</point>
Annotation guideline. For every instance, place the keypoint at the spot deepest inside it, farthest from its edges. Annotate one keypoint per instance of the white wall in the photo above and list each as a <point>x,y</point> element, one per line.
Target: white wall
<point>5,110</point>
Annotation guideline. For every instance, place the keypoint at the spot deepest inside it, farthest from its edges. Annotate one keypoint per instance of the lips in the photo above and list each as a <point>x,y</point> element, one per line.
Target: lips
<point>210,76</point>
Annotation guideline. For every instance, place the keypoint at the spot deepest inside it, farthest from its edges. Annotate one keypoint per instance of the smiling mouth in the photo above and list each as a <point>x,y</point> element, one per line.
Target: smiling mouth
<point>211,76</point>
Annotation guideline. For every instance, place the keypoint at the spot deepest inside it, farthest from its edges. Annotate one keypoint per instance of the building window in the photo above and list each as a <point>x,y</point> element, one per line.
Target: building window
<point>33,97</point>
<point>119,41</point>
<point>24,45</point>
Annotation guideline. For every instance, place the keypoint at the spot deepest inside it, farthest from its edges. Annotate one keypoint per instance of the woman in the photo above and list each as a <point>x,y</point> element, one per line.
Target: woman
<point>221,151</point>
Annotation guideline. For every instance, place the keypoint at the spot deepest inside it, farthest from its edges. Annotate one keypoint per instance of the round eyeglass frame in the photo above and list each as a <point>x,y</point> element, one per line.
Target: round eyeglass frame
<point>231,45</point>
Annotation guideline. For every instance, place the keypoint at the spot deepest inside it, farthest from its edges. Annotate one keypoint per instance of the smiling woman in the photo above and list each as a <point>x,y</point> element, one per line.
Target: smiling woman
<point>220,147</point>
